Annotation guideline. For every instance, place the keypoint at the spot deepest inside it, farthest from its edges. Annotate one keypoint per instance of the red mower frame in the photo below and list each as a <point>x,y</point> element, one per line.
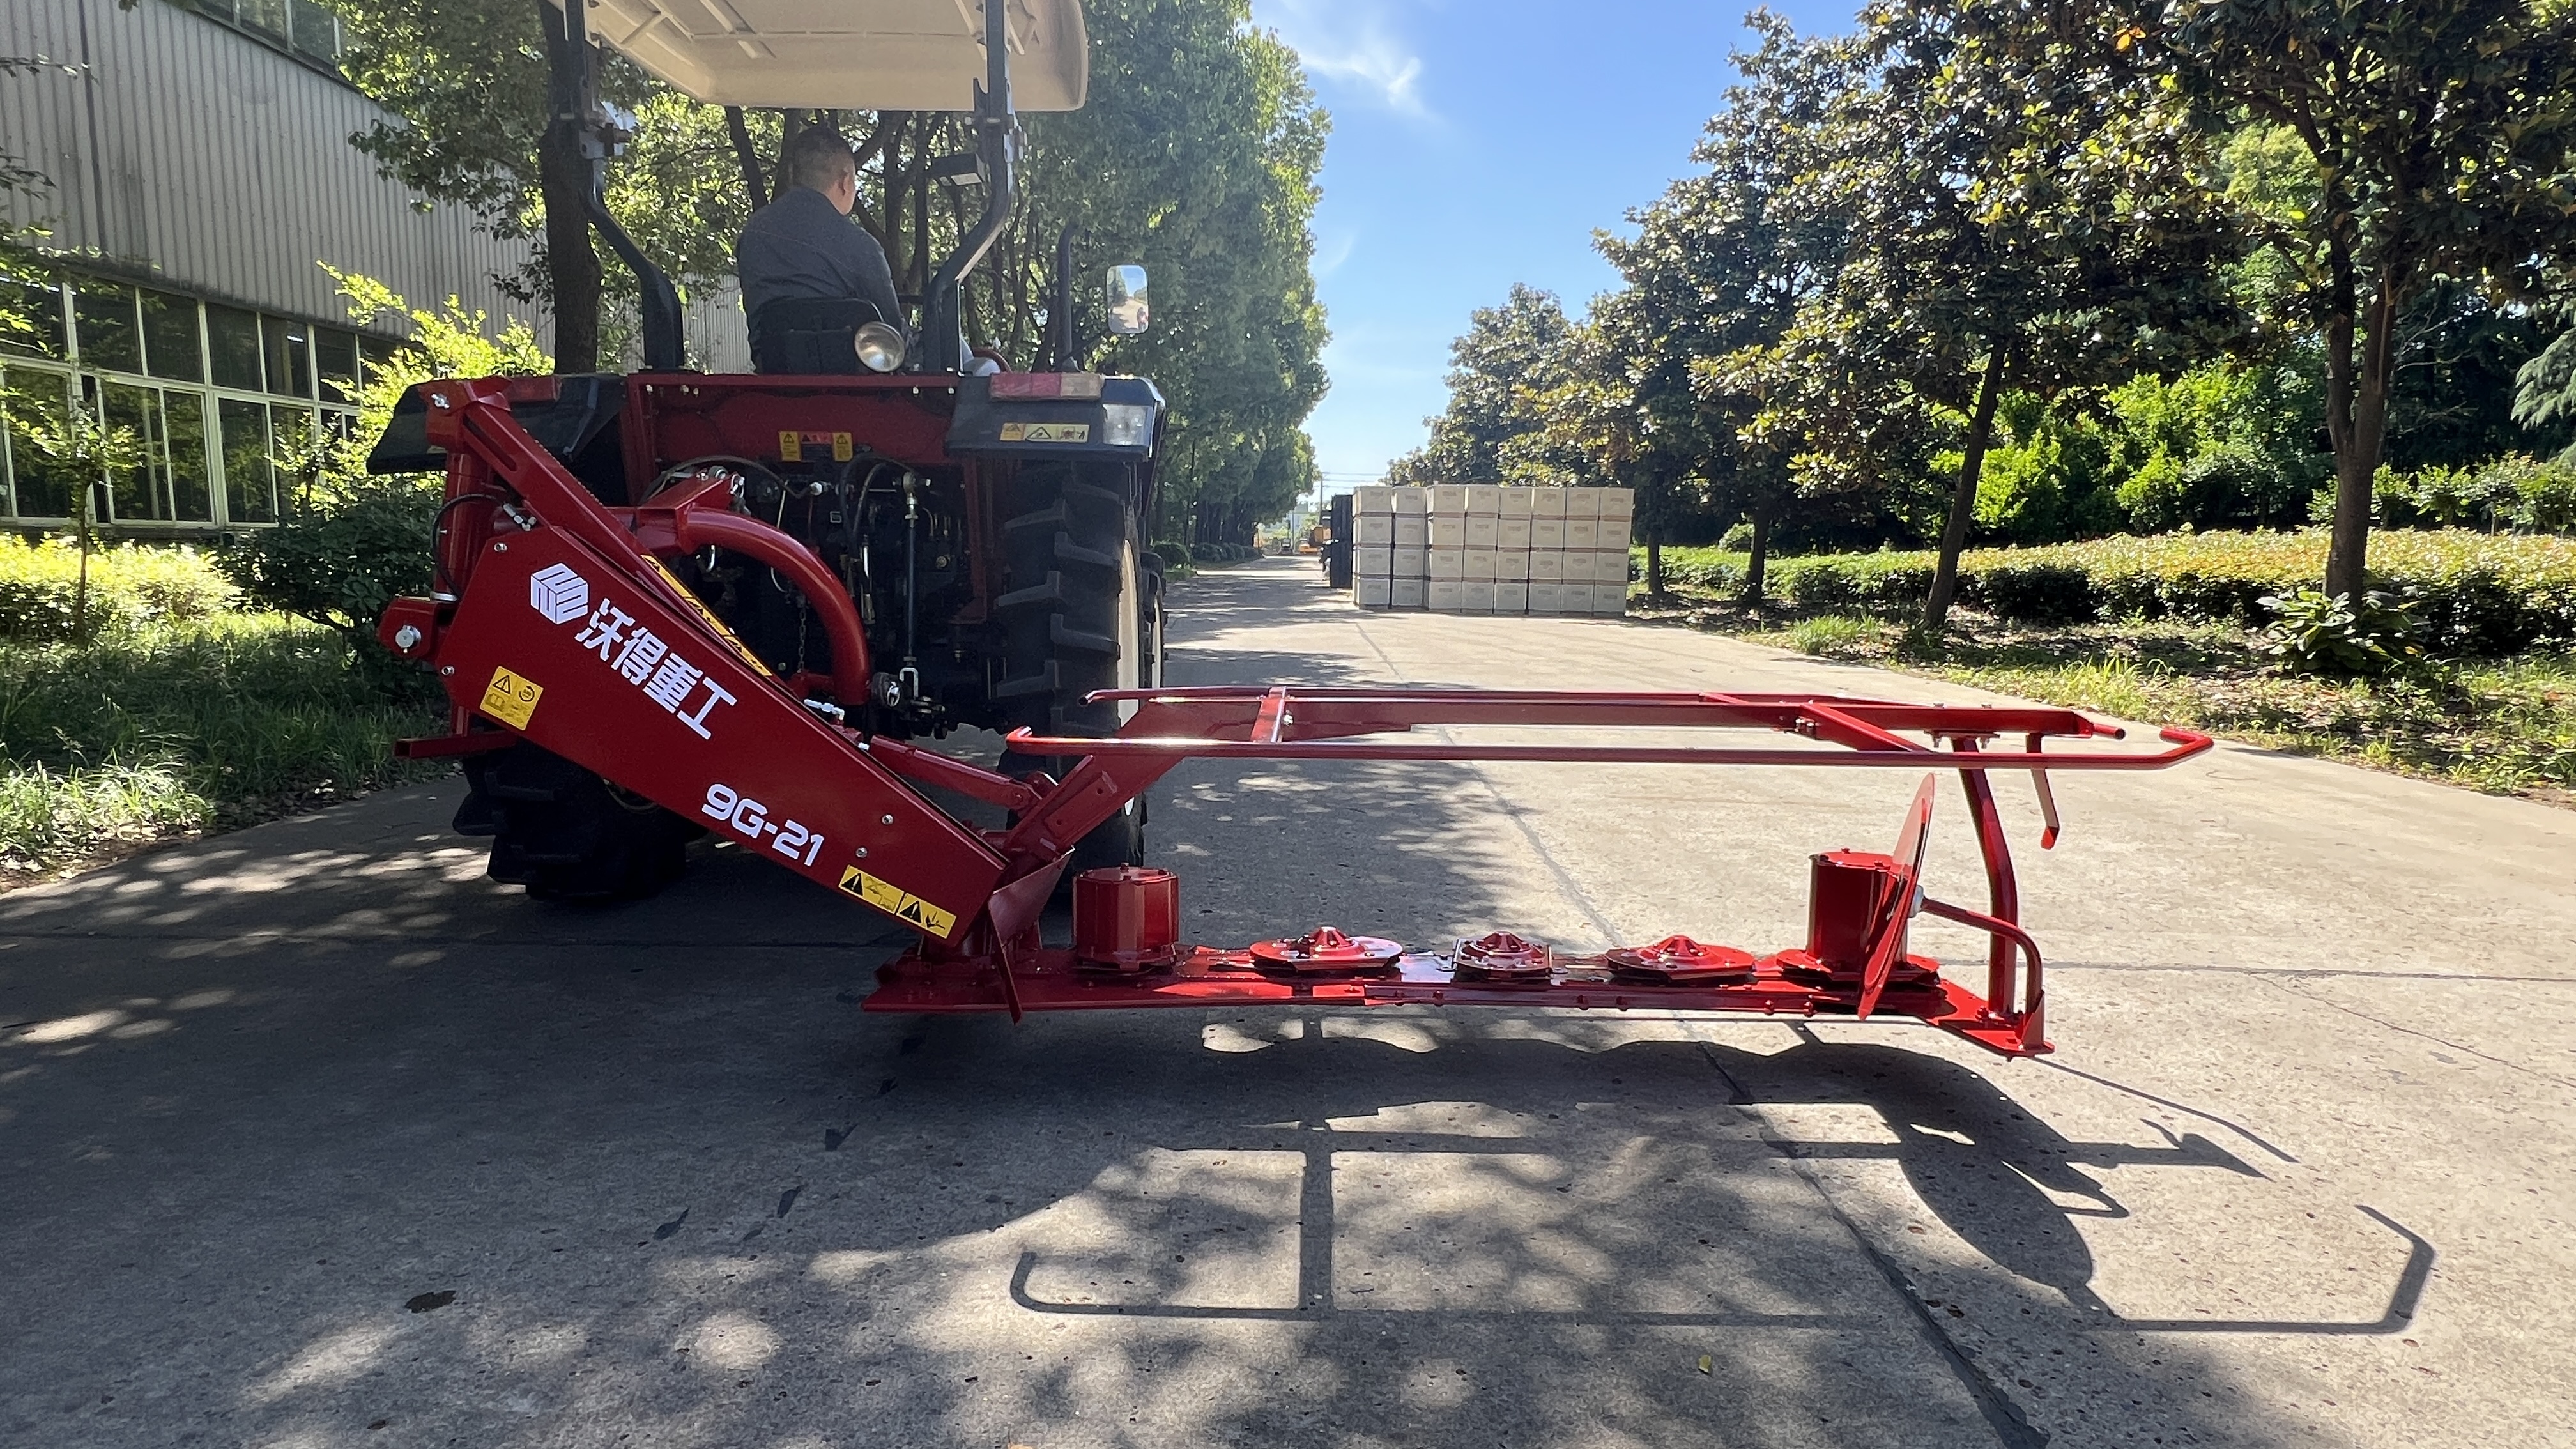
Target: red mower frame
<point>554,622</point>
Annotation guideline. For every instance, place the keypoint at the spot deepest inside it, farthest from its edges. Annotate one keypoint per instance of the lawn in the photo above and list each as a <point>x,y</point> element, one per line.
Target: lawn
<point>2504,725</point>
<point>167,727</point>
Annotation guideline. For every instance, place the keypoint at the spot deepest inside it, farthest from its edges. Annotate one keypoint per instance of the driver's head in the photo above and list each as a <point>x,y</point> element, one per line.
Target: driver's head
<point>820,159</point>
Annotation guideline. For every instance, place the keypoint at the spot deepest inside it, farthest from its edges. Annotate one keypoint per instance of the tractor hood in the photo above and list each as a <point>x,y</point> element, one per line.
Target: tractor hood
<point>869,55</point>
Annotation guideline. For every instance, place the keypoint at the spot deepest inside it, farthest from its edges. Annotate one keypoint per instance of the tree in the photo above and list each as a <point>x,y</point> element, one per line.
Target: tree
<point>1729,267</point>
<point>1196,154</point>
<point>2022,214</point>
<point>1508,357</point>
<point>78,439</point>
<point>348,542</point>
<point>2437,136</point>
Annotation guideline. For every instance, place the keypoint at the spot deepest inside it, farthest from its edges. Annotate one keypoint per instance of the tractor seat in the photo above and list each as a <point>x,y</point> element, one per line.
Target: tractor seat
<point>809,335</point>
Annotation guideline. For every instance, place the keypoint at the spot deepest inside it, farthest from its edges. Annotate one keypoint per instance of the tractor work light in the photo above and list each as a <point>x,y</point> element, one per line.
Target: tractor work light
<point>879,346</point>
<point>1127,425</point>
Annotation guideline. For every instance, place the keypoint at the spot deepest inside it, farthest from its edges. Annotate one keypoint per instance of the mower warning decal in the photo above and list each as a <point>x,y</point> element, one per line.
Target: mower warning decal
<point>511,700</point>
<point>897,902</point>
<point>1046,432</point>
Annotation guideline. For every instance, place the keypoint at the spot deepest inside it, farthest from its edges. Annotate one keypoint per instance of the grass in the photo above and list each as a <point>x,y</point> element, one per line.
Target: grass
<point>164,728</point>
<point>2496,713</point>
<point>2504,726</point>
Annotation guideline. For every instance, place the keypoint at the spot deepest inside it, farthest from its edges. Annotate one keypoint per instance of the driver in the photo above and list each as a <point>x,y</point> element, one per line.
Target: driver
<point>804,247</point>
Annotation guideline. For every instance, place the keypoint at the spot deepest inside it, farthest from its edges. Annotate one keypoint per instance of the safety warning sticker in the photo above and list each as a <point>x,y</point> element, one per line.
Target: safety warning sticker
<point>792,445</point>
<point>1046,432</point>
<point>898,902</point>
<point>511,700</point>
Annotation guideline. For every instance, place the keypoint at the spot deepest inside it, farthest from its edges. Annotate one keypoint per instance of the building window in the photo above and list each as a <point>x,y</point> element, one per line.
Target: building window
<point>104,332</point>
<point>288,347</point>
<point>40,487</point>
<point>171,346</point>
<point>232,336</point>
<point>335,357</point>
<point>250,483</point>
<point>33,314</point>
<point>298,27</point>
<point>202,387</point>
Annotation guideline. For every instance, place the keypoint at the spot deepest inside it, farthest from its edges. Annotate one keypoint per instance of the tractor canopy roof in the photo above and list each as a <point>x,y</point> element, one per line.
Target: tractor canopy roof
<point>873,55</point>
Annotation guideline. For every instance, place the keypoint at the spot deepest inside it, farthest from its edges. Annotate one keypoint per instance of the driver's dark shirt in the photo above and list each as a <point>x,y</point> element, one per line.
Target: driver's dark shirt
<point>801,247</point>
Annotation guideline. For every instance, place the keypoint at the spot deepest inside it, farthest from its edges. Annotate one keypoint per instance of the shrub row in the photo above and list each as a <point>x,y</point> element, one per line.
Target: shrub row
<point>2514,492</point>
<point>1215,553</point>
<point>2473,593</point>
<point>129,585</point>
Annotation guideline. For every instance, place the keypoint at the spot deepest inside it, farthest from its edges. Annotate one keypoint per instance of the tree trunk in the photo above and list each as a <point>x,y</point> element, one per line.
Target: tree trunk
<point>1654,561</point>
<point>1761,555</point>
<point>790,121</point>
<point>1963,501</point>
<point>2363,437</point>
<point>563,189</point>
<point>755,187</point>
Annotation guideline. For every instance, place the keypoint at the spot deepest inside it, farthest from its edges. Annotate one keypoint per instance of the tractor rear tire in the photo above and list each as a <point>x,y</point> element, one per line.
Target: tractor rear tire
<point>1081,611</point>
<point>567,834</point>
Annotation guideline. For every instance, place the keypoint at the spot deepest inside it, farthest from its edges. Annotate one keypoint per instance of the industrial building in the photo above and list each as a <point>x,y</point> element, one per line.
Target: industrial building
<point>197,174</point>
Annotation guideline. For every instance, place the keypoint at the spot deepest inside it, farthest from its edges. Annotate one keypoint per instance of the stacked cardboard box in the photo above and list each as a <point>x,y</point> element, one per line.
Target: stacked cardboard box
<point>1487,549</point>
<point>1389,548</point>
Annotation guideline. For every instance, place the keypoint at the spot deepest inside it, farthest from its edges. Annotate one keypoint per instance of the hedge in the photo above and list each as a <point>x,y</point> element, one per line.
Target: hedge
<point>129,585</point>
<point>2474,593</point>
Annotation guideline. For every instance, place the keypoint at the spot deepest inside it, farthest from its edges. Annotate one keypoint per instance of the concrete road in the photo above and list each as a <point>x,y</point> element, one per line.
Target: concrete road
<point>311,1136</point>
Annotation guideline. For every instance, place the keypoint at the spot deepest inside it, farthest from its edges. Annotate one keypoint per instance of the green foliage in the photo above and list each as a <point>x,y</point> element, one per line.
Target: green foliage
<point>2515,492</point>
<point>1499,368</point>
<point>2473,595</point>
<point>179,722</point>
<point>2433,140</point>
<point>1838,636</point>
<point>346,543</point>
<point>2315,633</point>
<point>130,586</point>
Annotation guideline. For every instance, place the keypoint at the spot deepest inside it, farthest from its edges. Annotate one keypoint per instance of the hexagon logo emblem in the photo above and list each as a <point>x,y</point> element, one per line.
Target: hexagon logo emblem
<point>559,594</point>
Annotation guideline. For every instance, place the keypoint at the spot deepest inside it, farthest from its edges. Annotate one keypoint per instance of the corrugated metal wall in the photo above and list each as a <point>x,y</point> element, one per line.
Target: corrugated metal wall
<point>190,153</point>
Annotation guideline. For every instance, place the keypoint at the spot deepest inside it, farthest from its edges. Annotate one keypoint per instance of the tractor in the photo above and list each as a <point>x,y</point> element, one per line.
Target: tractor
<point>990,528</point>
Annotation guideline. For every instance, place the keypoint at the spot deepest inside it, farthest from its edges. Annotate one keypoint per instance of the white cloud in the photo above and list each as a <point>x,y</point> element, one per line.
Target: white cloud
<point>1332,249</point>
<point>1353,41</point>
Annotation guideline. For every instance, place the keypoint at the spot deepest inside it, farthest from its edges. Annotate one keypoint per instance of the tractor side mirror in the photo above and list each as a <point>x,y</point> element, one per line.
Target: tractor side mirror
<point>1128,312</point>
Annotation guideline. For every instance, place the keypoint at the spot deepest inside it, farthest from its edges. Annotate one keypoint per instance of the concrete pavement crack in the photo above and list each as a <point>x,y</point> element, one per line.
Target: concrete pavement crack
<point>2291,988</point>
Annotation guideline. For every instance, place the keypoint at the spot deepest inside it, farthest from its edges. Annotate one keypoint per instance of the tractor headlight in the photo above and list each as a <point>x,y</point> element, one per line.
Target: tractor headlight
<point>1127,425</point>
<point>880,347</point>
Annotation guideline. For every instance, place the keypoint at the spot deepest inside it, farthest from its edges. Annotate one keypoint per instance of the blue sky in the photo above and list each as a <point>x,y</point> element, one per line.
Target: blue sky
<point>1478,143</point>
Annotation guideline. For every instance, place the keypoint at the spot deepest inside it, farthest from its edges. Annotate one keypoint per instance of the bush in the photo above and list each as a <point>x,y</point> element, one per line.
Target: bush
<point>1884,584</point>
<point>2471,594</point>
<point>2313,633</point>
<point>130,585</point>
<point>2515,492</point>
<point>2051,593</point>
<point>342,550</point>
<point>1176,555</point>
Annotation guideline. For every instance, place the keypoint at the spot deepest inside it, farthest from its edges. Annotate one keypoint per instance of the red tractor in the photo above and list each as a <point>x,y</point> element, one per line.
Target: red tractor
<point>672,604</point>
<point>989,528</point>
